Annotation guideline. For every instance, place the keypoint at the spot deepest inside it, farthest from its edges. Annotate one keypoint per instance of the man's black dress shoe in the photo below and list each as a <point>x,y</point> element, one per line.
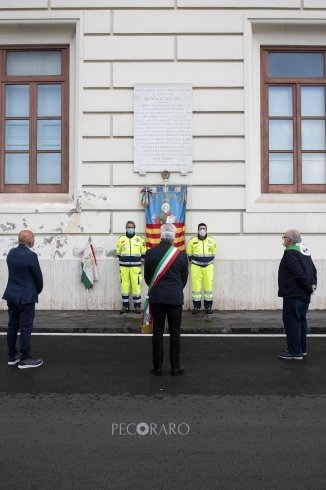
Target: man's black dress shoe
<point>156,372</point>
<point>178,370</point>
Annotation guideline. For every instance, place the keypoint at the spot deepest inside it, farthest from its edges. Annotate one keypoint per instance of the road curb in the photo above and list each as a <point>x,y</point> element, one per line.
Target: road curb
<point>192,331</point>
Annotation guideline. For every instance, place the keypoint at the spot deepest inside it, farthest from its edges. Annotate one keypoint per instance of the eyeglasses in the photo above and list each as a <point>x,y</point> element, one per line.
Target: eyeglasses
<point>285,237</point>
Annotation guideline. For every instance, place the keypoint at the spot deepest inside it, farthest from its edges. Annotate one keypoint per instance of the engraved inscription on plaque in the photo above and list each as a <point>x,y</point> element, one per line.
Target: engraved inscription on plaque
<point>163,127</point>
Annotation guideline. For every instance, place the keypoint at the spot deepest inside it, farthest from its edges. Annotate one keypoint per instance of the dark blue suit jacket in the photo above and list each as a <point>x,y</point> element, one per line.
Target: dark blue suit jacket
<point>25,281</point>
<point>169,289</point>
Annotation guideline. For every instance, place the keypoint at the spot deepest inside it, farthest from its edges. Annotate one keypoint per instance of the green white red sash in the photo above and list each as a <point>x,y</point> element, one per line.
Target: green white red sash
<point>162,267</point>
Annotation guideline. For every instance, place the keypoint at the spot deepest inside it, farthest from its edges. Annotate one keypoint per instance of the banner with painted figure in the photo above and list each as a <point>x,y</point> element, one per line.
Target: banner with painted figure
<point>164,204</point>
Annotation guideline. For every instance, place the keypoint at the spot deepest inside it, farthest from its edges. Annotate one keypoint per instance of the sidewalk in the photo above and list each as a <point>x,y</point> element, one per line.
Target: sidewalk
<point>102,321</point>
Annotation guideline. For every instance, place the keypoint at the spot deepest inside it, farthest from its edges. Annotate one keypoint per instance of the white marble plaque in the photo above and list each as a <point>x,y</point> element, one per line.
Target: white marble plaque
<point>163,127</point>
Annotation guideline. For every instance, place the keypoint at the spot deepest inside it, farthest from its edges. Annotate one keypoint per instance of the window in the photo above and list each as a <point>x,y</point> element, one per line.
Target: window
<point>34,119</point>
<point>293,120</point>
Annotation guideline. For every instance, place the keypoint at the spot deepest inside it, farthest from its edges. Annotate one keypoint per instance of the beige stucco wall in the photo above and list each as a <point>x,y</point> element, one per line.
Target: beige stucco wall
<point>212,44</point>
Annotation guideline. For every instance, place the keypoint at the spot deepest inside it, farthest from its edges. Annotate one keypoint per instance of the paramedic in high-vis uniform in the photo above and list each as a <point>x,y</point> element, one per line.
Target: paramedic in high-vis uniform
<point>201,251</point>
<point>130,250</point>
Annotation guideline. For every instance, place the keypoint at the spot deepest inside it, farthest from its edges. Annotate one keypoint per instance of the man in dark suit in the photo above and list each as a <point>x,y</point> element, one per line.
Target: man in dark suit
<point>166,279</point>
<point>25,282</point>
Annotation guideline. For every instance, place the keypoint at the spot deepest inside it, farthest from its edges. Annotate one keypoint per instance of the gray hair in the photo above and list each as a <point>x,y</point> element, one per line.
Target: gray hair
<point>168,231</point>
<point>294,236</point>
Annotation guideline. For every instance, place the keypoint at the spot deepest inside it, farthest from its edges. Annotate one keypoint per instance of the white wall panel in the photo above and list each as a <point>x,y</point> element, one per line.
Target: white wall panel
<point>95,174</point>
<point>96,22</point>
<point>216,221</point>
<point>264,246</point>
<point>252,285</point>
<point>314,4</point>
<point>218,124</point>
<point>56,223</point>
<point>243,285</point>
<point>90,223</point>
<point>107,100</point>
<point>221,100</point>
<point>259,4</point>
<point>11,224</point>
<point>58,246</point>
<point>107,150</point>
<point>280,222</point>
<point>120,219</point>
<point>217,198</point>
<point>96,75</point>
<point>213,173</point>
<point>205,74</point>
<point>105,198</point>
<point>218,149</point>
<point>120,4</point>
<point>176,21</point>
<point>123,170</point>
<point>129,48</point>
<point>210,47</point>
<point>96,125</point>
<point>217,174</point>
<point>22,4</point>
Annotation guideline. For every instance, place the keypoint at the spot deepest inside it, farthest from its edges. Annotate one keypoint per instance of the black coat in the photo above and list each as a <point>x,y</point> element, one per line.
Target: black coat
<point>25,281</point>
<point>169,289</point>
<point>296,274</point>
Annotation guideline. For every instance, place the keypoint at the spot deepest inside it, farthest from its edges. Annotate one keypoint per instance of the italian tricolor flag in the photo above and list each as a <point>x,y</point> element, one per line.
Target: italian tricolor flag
<point>89,267</point>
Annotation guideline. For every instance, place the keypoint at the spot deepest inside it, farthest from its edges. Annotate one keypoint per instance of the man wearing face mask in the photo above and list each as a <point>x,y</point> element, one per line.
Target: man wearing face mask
<point>297,281</point>
<point>201,251</point>
<point>130,250</point>
<point>25,283</point>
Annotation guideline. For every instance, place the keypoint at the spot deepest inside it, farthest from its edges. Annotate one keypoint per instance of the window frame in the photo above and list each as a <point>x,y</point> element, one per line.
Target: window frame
<point>297,187</point>
<point>33,81</point>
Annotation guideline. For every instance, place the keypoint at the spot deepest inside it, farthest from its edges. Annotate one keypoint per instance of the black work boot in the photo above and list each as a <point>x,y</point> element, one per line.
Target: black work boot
<point>196,308</point>
<point>208,307</point>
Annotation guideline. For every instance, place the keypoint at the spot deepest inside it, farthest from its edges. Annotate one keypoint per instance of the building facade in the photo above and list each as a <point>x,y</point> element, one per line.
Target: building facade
<point>258,77</point>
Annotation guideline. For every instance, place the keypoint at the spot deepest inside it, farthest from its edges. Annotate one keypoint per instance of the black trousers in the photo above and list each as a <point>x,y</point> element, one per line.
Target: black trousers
<point>295,323</point>
<point>173,313</point>
<point>21,317</point>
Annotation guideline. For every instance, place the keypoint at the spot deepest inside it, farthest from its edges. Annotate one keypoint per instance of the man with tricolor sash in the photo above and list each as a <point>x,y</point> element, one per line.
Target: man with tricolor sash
<point>166,274</point>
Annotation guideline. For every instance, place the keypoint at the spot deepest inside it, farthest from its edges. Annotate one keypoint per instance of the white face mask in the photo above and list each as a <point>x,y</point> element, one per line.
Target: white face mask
<point>202,233</point>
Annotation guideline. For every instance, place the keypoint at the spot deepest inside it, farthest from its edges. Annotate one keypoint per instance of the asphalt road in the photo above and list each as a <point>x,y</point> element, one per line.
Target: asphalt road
<point>93,417</point>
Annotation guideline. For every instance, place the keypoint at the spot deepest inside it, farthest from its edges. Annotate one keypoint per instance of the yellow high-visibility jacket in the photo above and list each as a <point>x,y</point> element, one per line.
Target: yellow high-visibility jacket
<point>130,250</point>
<point>201,252</point>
